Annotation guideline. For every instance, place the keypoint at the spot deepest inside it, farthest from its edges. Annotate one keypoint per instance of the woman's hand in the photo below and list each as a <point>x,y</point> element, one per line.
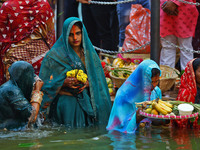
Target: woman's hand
<point>71,83</point>
<point>170,8</point>
<point>38,85</point>
<point>35,105</point>
<point>37,108</point>
<point>138,116</point>
<point>82,88</point>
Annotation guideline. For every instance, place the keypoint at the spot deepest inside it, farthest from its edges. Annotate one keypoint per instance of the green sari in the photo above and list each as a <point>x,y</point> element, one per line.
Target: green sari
<point>90,107</point>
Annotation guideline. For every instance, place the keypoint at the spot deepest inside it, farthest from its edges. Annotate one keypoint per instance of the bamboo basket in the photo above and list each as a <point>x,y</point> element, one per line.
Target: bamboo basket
<point>116,80</point>
<point>168,77</point>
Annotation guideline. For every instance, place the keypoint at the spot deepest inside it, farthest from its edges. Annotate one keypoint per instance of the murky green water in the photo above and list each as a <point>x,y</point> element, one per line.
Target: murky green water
<point>58,138</point>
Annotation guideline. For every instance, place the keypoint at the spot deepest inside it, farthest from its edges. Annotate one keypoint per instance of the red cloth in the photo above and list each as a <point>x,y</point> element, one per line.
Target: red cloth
<point>138,31</point>
<point>186,20</point>
<point>188,90</point>
<point>18,20</point>
<point>187,93</point>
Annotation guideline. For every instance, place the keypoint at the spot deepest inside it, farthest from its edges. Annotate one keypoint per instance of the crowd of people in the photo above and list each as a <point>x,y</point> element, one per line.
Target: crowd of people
<point>63,81</point>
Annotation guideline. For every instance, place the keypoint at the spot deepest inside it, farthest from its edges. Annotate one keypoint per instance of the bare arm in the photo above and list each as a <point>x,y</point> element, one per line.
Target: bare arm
<point>34,103</point>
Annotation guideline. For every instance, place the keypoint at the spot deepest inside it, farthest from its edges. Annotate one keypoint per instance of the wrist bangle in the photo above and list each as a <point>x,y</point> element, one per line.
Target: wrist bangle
<point>36,97</point>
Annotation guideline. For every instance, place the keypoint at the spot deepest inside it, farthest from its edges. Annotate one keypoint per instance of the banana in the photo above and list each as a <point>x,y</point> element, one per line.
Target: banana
<point>160,109</point>
<point>168,109</point>
<point>166,103</point>
<point>153,104</point>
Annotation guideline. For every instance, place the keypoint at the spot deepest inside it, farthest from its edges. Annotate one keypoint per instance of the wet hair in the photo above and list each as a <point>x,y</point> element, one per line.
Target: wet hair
<point>155,71</point>
<point>196,64</point>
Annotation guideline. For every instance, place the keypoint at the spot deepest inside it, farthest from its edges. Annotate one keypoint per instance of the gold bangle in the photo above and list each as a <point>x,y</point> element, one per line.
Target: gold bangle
<point>36,97</point>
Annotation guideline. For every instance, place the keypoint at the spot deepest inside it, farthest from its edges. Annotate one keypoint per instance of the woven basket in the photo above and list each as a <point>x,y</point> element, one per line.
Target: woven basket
<point>116,80</point>
<point>168,78</point>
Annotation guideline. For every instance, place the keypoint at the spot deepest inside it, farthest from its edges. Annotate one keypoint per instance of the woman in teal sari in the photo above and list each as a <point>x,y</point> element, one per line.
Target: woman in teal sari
<point>20,97</point>
<point>72,103</point>
<point>139,87</point>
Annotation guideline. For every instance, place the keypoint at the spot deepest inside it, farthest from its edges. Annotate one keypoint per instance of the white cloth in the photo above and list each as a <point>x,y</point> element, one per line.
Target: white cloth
<point>168,52</point>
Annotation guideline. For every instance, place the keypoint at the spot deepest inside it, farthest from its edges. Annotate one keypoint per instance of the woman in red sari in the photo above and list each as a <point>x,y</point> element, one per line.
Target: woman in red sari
<point>26,33</point>
<point>190,89</point>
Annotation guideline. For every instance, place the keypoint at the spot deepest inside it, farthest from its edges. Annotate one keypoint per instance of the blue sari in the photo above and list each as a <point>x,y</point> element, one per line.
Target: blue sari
<point>90,107</point>
<point>137,88</point>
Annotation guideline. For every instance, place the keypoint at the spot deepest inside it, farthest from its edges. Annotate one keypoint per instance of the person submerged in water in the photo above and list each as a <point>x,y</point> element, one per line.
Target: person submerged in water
<point>20,97</point>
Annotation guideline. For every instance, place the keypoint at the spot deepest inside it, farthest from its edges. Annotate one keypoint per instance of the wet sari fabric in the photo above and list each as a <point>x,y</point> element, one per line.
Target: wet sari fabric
<point>93,105</point>
<point>137,88</point>
<point>15,94</point>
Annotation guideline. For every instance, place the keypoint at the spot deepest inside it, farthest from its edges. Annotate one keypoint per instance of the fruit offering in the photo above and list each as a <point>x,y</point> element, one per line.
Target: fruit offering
<point>79,74</point>
<point>169,109</point>
<point>110,86</point>
<point>157,107</point>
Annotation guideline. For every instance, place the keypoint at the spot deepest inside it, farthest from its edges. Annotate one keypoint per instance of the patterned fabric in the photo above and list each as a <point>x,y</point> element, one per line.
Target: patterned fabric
<point>22,21</point>
<point>183,25</point>
<point>137,33</point>
<point>33,52</point>
<point>93,105</point>
<point>137,88</point>
<point>188,90</point>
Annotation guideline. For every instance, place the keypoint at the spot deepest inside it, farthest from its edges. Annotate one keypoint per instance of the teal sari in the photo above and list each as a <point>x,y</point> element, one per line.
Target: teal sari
<point>15,95</point>
<point>90,107</point>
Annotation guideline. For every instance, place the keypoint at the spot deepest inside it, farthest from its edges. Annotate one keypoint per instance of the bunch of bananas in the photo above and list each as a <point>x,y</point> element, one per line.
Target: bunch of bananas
<point>160,106</point>
<point>79,74</point>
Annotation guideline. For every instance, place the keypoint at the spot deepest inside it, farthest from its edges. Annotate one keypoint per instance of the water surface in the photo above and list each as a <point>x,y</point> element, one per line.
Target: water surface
<point>97,138</point>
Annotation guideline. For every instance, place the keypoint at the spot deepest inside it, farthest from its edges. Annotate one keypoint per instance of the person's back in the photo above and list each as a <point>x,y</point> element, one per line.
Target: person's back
<point>6,111</point>
<point>19,101</point>
<point>13,111</point>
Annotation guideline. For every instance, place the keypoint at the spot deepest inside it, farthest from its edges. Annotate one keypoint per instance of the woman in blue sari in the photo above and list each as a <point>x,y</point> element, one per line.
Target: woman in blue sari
<point>139,87</point>
<point>72,103</point>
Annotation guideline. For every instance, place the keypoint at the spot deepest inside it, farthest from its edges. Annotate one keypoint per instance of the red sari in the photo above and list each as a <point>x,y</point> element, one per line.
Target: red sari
<point>20,20</point>
<point>187,93</point>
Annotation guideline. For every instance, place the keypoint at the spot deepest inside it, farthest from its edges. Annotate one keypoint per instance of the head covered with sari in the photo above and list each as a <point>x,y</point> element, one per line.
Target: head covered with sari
<point>188,91</point>
<point>19,19</point>
<point>62,58</point>
<point>15,95</point>
<point>22,75</point>
<point>137,88</point>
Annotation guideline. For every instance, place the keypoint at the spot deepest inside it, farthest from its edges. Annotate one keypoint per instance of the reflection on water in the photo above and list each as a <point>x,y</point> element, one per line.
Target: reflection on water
<point>98,138</point>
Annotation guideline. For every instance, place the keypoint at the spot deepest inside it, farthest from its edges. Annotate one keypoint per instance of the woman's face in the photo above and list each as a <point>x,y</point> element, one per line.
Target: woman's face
<point>75,37</point>
<point>154,81</point>
<point>197,75</point>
